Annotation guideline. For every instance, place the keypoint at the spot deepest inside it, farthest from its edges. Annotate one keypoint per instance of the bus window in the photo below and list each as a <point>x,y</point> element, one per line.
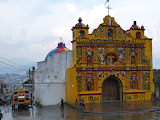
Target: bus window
<point>15,96</point>
<point>15,93</point>
<point>26,92</point>
<point>21,96</point>
<point>27,95</point>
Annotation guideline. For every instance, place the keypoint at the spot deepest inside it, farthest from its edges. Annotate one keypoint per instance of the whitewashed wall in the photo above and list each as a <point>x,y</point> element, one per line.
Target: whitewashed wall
<point>50,79</point>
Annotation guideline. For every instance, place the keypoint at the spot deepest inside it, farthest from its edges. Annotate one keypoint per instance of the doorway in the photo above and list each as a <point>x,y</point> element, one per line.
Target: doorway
<point>110,89</point>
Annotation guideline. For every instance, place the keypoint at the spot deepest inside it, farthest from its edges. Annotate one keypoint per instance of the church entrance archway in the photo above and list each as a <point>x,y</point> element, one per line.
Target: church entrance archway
<point>110,89</point>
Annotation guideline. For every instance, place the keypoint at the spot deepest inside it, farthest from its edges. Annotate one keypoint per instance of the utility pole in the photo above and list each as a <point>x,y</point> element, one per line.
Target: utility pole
<point>32,97</point>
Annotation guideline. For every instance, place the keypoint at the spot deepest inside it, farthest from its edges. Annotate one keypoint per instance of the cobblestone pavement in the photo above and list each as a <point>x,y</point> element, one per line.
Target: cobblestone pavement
<point>110,111</point>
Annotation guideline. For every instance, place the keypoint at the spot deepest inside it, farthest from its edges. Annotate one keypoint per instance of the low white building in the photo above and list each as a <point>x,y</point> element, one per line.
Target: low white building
<point>50,84</point>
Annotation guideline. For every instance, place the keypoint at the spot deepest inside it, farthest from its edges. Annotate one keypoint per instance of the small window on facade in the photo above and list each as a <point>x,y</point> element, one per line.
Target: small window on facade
<point>110,33</point>
<point>138,35</point>
<point>82,34</point>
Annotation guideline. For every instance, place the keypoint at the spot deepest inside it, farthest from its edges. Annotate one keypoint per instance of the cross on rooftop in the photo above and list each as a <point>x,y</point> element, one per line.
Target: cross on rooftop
<point>61,39</point>
<point>108,6</point>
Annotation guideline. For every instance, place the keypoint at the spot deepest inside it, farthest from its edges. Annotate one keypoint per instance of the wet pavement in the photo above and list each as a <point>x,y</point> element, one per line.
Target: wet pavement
<point>120,107</point>
<point>146,110</point>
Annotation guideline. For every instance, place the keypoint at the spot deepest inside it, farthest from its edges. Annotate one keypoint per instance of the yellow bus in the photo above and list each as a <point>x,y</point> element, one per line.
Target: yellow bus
<point>20,98</point>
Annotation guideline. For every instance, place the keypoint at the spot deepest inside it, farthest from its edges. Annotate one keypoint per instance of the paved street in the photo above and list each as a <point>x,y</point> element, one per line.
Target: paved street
<point>145,111</point>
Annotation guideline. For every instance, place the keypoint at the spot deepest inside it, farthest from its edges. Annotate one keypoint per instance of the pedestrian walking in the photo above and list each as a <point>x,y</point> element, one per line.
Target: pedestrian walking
<point>83,103</point>
<point>1,115</point>
<point>76,102</point>
<point>62,103</point>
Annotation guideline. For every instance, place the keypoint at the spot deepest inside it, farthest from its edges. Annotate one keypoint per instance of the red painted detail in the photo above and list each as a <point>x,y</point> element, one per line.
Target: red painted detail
<point>91,94</point>
<point>133,92</point>
<point>73,41</point>
<point>110,26</point>
<point>134,29</point>
<point>86,63</point>
<point>114,70</point>
<point>60,50</point>
<point>148,91</point>
<point>148,38</point>
<point>112,46</point>
<point>78,28</point>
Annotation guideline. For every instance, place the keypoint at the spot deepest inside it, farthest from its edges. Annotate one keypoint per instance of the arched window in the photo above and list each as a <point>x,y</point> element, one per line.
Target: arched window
<point>110,33</point>
<point>138,35</point>
<point>82,34</point>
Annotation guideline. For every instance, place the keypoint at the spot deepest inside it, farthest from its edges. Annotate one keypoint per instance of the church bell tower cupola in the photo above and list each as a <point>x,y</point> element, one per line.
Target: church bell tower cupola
<point>136,32</point>
<point>80,30</point>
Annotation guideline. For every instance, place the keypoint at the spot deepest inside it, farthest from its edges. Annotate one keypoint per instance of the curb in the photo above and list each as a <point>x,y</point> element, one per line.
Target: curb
<point>110,113</point>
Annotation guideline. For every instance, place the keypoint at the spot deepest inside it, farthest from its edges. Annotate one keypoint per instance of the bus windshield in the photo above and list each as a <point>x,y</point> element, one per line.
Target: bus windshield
<point>21,96</point>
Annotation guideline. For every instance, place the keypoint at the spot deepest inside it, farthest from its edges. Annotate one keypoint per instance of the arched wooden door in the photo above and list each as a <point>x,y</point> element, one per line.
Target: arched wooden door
<point>110,89</point>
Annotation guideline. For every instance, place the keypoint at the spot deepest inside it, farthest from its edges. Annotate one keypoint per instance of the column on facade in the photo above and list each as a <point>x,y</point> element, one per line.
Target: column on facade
<point>84,57</point>
<point>139,80</point>
<point>128,80</point>
<point>84,87</point>
<point>95,73</point>
<point>95,54</point>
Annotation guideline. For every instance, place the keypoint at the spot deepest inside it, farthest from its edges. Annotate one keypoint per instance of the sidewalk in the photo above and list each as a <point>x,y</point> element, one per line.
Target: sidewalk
<point>120,107</point>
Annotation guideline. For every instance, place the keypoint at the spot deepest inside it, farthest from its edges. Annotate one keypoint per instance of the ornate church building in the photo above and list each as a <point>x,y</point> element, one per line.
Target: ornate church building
<point>109,64</point>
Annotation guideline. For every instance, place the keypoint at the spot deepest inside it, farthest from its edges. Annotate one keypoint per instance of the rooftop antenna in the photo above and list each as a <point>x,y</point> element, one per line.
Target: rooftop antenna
<point>108,6</point>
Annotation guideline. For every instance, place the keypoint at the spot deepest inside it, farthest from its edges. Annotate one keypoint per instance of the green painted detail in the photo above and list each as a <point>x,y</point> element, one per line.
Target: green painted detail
<point>99,60</point>
<point>79,83</point>
<point>79,55</point>
<point>144,60</point>
<point>146,85</point>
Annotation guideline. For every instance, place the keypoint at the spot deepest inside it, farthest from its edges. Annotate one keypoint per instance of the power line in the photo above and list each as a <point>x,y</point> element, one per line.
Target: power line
<point>12,61</point>
<point>10,65</point>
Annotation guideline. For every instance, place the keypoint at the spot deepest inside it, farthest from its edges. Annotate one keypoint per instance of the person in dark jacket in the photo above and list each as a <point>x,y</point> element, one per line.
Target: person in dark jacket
<point>1,115</point>
<point>62,103</point>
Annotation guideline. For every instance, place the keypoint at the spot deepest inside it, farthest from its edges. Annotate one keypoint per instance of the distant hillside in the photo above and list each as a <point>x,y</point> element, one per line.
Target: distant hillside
<point>11,78</point>
<point>16,66</point>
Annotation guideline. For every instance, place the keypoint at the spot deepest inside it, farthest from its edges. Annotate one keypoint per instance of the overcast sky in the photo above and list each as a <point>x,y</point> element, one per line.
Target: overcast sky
<point>29,29</point>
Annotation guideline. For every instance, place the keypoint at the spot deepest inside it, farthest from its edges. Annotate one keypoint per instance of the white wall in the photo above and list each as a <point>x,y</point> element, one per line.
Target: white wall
<point>50,78</point>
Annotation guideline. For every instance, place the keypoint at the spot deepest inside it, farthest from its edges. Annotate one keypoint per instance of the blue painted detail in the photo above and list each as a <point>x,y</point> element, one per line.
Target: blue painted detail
<point>79,25</point>
<point>50,53</point>
<point>135,27</point>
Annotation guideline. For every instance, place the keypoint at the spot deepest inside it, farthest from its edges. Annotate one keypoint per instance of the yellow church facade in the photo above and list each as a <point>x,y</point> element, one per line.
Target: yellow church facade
<point>109,64</point>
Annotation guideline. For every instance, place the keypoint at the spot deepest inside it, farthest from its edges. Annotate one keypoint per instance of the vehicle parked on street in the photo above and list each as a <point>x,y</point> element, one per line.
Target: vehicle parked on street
<point>20,98</point>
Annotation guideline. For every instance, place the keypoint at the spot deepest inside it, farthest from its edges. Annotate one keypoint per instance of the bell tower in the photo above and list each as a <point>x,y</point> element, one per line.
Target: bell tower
<point>80,33</point>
